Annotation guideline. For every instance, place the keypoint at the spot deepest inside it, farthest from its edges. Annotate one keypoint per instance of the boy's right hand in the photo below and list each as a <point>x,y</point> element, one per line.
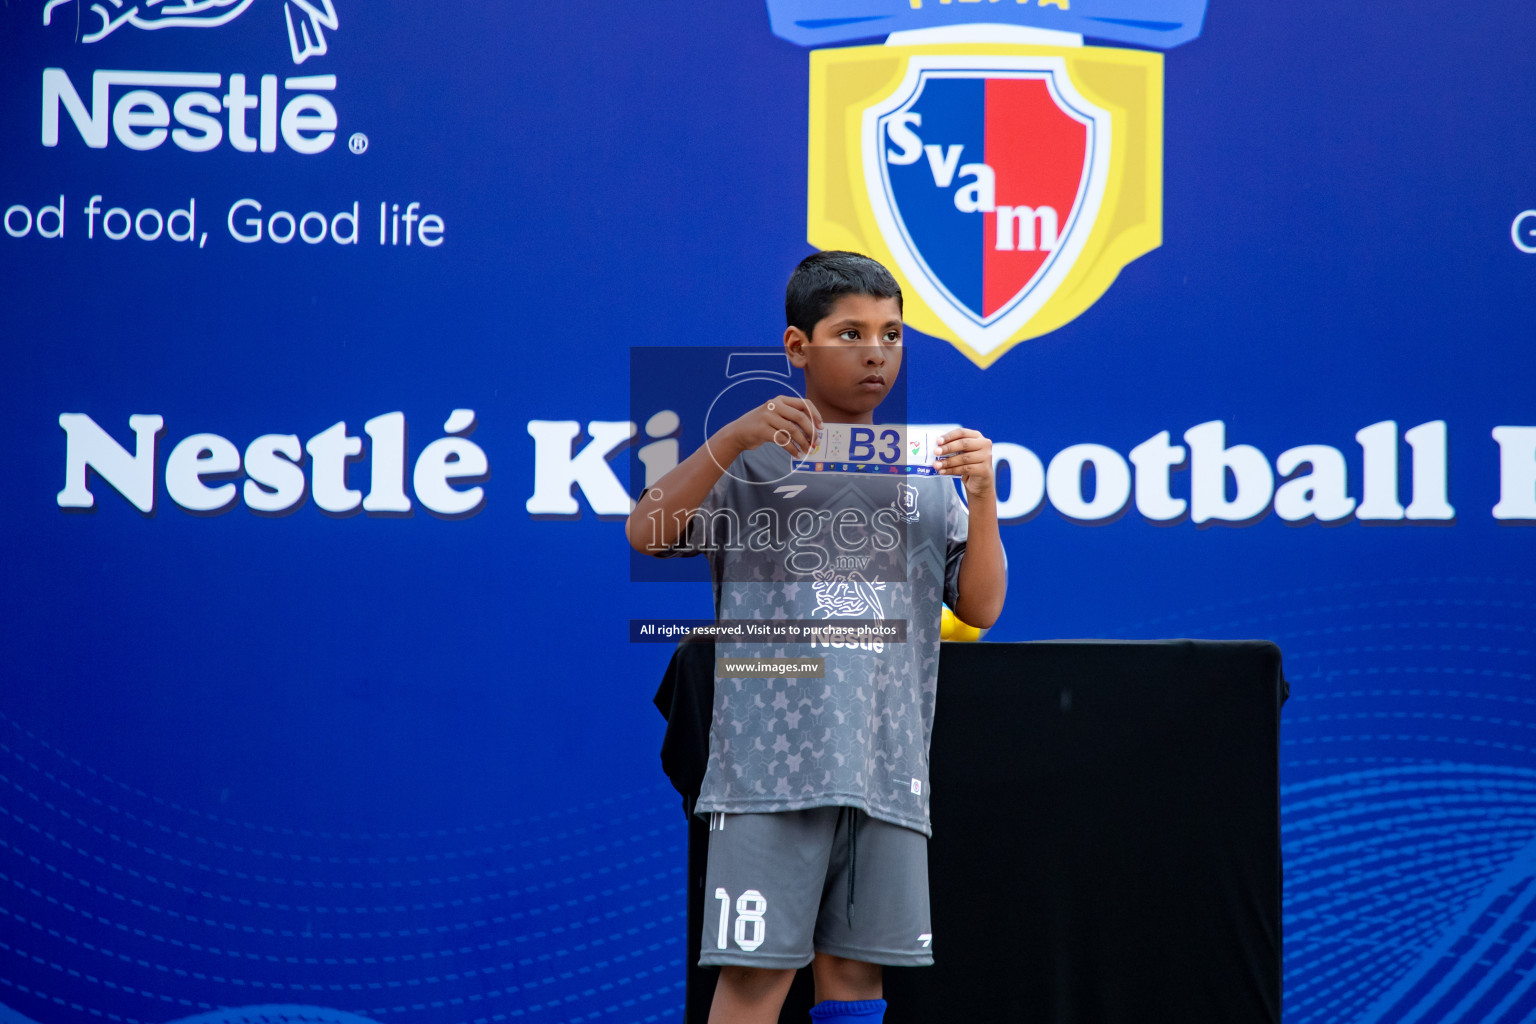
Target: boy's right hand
<point>787,421</point>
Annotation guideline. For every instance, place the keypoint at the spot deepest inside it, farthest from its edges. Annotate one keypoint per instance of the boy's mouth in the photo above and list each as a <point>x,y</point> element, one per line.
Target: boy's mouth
<point>873,382</point>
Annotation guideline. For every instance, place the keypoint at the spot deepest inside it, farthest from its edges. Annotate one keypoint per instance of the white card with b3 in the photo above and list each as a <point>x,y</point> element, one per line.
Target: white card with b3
<point>895,448</point>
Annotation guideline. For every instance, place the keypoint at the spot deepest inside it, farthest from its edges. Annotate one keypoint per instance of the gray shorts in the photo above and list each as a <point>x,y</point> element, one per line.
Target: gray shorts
<point>781,887</point>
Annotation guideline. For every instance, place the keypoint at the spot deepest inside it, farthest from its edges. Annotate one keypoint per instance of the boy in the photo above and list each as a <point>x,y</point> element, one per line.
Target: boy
<point>816,784</point>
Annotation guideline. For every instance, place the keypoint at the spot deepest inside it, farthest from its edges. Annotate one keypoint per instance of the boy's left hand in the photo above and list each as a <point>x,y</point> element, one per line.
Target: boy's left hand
<point>969,457</point>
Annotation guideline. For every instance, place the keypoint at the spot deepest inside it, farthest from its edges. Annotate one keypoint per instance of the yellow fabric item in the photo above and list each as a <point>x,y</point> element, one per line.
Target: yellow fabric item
<point>951,628</point>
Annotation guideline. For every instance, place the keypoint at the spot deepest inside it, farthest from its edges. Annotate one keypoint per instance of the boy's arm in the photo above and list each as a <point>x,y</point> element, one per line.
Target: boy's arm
<point>983,580</point>
<point>661,515</point>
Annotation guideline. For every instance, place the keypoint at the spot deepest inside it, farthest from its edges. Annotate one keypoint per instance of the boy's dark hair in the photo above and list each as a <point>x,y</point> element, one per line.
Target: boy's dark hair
<point>824,277</point>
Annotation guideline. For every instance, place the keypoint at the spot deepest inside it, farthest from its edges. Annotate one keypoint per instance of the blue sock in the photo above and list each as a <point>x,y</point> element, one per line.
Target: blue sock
<point>857,1011</point>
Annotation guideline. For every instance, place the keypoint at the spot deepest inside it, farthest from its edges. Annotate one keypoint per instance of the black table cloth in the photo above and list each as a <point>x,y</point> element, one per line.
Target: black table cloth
<point>1106,844</point>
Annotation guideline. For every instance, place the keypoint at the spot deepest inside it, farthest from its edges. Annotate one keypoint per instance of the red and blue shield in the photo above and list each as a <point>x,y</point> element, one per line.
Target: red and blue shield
<point>985,175</point>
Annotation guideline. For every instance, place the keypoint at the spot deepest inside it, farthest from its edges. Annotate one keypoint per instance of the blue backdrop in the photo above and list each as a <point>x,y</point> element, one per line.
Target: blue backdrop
<point>402,765</point>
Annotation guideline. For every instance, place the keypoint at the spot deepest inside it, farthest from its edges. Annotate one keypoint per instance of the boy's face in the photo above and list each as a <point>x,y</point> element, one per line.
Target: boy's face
<point>851,358</point>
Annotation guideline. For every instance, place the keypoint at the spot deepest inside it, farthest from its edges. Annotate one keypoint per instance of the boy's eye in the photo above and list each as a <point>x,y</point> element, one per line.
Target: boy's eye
<point>850,334</point>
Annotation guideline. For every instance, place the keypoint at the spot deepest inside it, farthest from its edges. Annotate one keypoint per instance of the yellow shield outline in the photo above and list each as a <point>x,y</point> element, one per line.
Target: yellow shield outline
<point>1128,84</point>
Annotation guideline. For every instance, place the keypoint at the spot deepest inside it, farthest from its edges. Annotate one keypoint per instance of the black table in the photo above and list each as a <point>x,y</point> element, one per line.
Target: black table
<point>1106,842</point>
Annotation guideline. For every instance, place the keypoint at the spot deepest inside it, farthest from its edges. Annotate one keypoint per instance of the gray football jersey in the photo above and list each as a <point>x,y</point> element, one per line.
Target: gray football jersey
<point>823,546</point>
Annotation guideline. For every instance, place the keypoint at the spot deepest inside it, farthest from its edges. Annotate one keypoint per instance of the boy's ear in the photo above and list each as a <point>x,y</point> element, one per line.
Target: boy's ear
<point>794,346</point>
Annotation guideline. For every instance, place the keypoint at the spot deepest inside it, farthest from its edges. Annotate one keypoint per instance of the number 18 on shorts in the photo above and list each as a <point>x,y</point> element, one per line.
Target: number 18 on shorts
<point>787,885</point>
<point>751,906</point>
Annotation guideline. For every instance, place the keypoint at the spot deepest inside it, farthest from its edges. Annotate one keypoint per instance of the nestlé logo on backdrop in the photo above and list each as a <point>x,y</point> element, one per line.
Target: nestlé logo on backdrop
<point>140,107</point>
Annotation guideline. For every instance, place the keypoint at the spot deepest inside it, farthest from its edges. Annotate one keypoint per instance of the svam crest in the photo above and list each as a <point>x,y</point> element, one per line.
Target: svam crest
<point>1006,185</point>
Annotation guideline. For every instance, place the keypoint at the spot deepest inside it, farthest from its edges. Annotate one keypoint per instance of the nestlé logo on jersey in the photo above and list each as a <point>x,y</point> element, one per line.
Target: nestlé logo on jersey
<point>195,111</point>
